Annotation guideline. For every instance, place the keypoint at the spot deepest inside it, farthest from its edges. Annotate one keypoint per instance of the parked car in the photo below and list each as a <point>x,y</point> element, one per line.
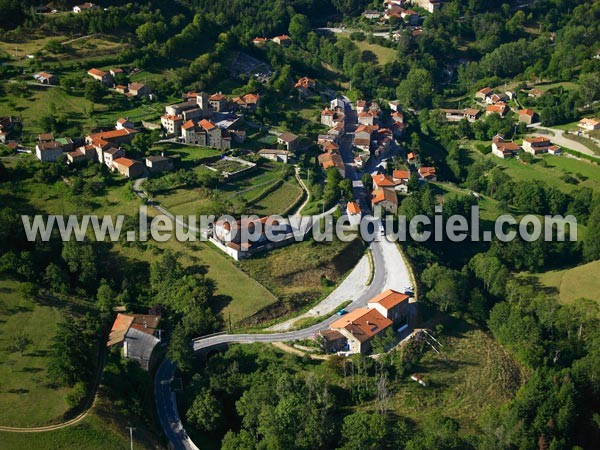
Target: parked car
<point>341,312</point>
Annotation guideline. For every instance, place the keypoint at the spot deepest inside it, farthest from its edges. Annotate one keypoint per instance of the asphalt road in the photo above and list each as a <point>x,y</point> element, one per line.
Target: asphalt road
<point>390,272</point>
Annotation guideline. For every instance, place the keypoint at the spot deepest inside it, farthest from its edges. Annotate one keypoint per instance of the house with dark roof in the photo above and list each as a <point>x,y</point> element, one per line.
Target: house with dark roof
<point>138,334</point>
<point>159,163</point>
<point>290,140</point>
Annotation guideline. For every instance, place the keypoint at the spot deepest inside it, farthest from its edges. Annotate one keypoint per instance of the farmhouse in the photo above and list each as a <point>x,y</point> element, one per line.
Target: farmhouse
<point>290,140</point>
<point>159,163</point>
<point>589,124</point>
<point>45,78</point>
<point>218,101</point>
<point>503,149</point>
<point>206,134</point>
<point>359,327</point>
<point>539,144</point>
<point>283,40</point>
<point>117,137</point>
<point>331,159</point>
<point>386,198</point>
<point>129,168</point>
<point>427,173</point>
<point>499,108</point>
<point>484,93</point>
<point>527,116</point>
<point>49,151</point>
<point>102,76</point>
<point>259,41</point>
<point>138,335</point>
<point>428,5</point>
<point>392,305</point>
<point>171,123</point>
<point>138,90</point>
<point>305,85</point>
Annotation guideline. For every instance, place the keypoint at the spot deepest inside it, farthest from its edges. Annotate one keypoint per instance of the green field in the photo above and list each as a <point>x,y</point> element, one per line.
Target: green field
<point>279,200</point>
<point>557,166</point>
<point>26,397</point>
<point>578,282</point>
<point>382,54</point>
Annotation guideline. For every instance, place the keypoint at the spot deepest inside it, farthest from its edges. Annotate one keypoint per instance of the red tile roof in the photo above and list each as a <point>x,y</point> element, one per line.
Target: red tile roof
<point>389,298</point>
<point>363,323</point>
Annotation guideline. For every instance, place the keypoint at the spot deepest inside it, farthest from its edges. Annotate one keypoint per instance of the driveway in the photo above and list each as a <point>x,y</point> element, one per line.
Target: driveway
<point>560,139</point>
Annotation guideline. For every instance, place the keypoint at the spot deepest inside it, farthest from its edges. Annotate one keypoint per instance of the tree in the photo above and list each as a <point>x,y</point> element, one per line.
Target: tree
<point>105,297</point>
<point>20,342</point>
<point>179,350</point>
<point>446,287</point>
<point>206,411</point>
<point>56,278</point>
<point>417,89</point>
<point>151,31</point>
<point>299,27</point>
<point>591,243</point>
<point>94,91</point>
<point>363,431</point>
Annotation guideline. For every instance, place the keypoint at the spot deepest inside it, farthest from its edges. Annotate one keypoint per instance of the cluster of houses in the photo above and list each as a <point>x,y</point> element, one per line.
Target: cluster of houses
<point>102,147</point>
<point>131,90</point>
<point>400,9</point>
<point>536,145</point>
<point>354,332</point>
<point>283,39</point>
<point>208,121</point>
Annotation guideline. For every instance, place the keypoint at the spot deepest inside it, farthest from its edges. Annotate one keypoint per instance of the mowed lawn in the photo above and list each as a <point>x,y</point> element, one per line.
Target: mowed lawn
<point>26,398</point>
<point>579,282</point>
<point>557,166</point>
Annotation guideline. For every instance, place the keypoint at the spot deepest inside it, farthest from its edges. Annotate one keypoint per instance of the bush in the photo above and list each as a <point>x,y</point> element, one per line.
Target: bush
<point>77,394</point>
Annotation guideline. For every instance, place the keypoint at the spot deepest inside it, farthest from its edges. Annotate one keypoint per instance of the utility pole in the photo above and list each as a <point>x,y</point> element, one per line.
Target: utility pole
<point>131,436</point>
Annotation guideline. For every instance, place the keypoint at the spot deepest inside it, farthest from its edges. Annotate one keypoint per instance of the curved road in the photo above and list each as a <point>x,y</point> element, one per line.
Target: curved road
<point>389,272</point>
<point>384,253</point>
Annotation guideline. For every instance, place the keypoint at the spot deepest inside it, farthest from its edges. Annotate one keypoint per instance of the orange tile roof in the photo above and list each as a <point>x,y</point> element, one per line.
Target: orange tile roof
<point>126,162</point>
<point>207,124</point>
<point>97,72</point>
<point>119,329</point>
<point>381,194</point>
<point>304,82</point>
<point>353,208</point>
<point>112,134</point>
<point>527,112</point>
<point>189,124</point>
<point>427,171</point>
<point>401,174</point>
<point>363,323</point>
<point>484,91</point>
<point>383,180</point>
<point>218,97</point>
<point>389,298</point>
<point>499,108</point>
